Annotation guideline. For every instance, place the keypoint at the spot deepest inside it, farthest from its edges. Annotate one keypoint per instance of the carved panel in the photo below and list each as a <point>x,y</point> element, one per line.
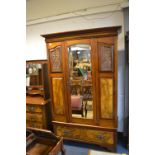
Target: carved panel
<point>56,59</point>
<point>105,57</point>
<point>58,98</point>
<point>106,101</point>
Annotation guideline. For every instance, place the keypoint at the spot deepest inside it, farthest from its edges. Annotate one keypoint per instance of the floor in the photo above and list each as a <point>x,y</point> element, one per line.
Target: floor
<point>76,148</point>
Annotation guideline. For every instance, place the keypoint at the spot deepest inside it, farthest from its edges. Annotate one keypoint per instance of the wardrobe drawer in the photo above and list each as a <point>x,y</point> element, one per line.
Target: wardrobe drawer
<point>33,108</point>
<point>97,136</point>
<point>34,117</point>
<point>67,132</point>
<point>85,134</point>
<point>34,124</point>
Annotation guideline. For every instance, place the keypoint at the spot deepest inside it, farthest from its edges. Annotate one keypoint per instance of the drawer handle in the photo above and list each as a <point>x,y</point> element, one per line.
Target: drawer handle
<point>101,137</point>
<point>66,132</point>
<point>32,118</point>
<point>32,125</point>
<point>31,108</point>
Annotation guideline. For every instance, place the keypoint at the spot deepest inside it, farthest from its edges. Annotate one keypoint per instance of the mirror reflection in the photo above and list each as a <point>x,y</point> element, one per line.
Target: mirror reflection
<point>34,85</point>
<point>33,74</point>
<point>80,75</point>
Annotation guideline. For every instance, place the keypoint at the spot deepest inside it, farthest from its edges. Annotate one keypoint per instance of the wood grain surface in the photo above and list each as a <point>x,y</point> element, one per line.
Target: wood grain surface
<point>58,99</point>
<point>106,89</point>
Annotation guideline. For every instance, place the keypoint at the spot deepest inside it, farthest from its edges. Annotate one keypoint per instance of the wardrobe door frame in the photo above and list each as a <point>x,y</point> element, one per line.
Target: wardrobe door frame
<point>57,75</point>
<point>108,40</point>
<point>74,119</point>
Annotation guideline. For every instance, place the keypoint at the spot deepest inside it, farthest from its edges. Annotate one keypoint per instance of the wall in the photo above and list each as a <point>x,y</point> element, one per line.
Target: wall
<point>36,48</point>
<point>126,19</point>
<point>37,9</point>
<point>126,76</point>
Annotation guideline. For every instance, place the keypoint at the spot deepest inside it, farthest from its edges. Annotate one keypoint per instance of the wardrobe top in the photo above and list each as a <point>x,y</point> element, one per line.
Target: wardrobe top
<point>85,33</point>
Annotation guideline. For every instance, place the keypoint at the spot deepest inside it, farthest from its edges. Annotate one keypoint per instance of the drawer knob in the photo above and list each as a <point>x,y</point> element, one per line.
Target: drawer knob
<point>31,108</point>
<point>66,132</point>
<point>32,125</point>
<point>100,137</point>
<point>32,118</point>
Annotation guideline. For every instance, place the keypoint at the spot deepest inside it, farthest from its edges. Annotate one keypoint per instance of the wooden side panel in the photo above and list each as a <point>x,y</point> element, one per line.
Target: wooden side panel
<point>58,98</point>
<point>106,94</point>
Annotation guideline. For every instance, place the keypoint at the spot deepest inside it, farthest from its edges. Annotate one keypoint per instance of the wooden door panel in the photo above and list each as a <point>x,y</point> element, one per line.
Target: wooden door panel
<point>89,115</point>
<point>106,78</point>
<point>106,97</point>
<point>58,98</point>
<point>105,57</point>
<point>55,55</point>
<point>56,67</point>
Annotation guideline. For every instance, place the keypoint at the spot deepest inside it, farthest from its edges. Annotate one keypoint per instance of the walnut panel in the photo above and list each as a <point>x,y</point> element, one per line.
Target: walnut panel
<point>34,124</point>
<point>58,98</point>
<point>99,137</point>
<point>106,100</point>
<point>34,117</point>
<point>68,132</point>
<point>105,57</point>
<point>84,134</point>
<point>56,59</point>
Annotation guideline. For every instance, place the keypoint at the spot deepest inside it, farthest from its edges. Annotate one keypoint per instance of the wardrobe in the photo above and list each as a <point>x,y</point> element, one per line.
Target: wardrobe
<point>82,69</point>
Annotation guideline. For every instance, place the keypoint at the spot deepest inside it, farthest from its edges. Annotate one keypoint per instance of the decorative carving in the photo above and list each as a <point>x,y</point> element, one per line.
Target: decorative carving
<point>56,59</point>
<point>106,90</point>
<point>58,100</point>
<point>106,57</point>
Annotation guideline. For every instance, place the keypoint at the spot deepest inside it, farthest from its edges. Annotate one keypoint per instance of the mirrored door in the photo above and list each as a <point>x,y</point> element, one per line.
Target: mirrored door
<point>80,81</point>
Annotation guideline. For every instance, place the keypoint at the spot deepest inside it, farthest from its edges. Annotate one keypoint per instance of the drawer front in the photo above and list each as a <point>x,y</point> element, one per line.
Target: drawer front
<point>86,134</point>
<point>97,136</point>
<point>34,108</point>
<point>34,117</point>
<point>34,125</point>
<point>67,132</point>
